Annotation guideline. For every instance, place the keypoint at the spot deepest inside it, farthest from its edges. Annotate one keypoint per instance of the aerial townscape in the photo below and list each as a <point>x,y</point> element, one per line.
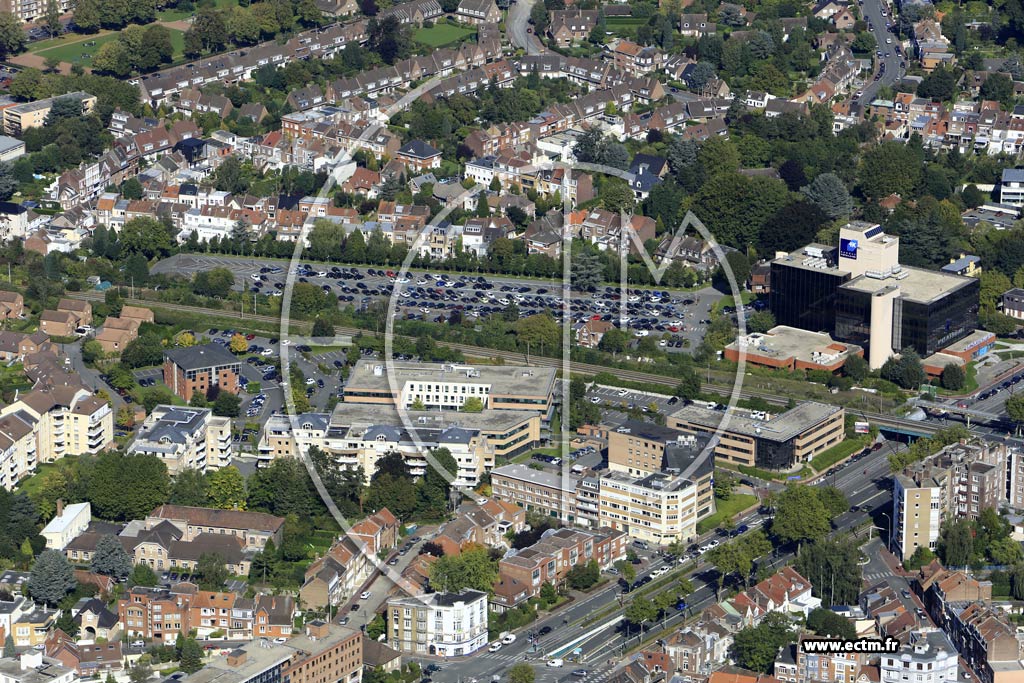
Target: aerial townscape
<point>512,341</point>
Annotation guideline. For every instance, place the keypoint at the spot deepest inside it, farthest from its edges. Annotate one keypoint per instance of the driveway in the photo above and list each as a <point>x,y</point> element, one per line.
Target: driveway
<point>90,377</point>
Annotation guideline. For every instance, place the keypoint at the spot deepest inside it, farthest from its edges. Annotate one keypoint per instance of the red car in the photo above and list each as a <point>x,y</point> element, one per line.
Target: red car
<point>250,337</point>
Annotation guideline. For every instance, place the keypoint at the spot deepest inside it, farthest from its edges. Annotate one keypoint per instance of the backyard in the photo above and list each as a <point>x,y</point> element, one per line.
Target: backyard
<point>443,35</point>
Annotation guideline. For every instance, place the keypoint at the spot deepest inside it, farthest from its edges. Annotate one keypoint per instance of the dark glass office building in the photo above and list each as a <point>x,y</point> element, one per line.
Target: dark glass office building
<point>803,295</point>
<point>927,326</point>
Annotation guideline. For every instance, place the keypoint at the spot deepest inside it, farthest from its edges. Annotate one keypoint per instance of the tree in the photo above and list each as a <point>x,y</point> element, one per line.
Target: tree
<point>227,404</point>
<point>800,515</point>
<point>10,651</point>
<point>583,576</point>
<point>889,167</point>
<point>52,18</point>
<point>1015,408</point>
<point>322,328</point>
<point>829,194</point>
<point>834,500</point>
<point>940,85</point>
<point>91,351</point>
<point>143,575</point>
<point>731,558</point>
<point>191,658</point>
<point>921,557</point>
<point>756,648</point>
<point>141,672</point>
<point>831,566</point>
<point>825,622</point>
<point>212,572</point>
<point>124,487</point>
<point>87,16</point>
<point>856,368</point>
<point>956,543</point>
<point>145,235</point>
<point>953,377</point>
<point>238,343</point>
<point>473,568</point>
<point>905,370</point>
<point>113,59</point>
<point>190,487</point>
<point>998,87</point>
<point>522,672</point>
<point>760,321</point>
<point>12,35</point>
<point>700,75</point>
<point>51,578</point>
<point>587,269</point>
<point>473,405</point>
<point>548,593</point>
<point>226,487</point>
<point>639,611</point>
<point>110,558</point>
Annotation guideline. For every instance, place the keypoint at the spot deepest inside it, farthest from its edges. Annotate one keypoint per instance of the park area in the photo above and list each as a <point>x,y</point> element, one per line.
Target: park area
<point>72,48</point>
<point>443,35</point>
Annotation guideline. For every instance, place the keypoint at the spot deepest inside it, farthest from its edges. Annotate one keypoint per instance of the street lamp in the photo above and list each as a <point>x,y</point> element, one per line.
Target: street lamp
<point>888,540</point>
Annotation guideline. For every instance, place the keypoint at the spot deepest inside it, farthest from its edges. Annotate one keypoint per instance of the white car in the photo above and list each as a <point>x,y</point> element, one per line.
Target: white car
<point>663,343</point>
<point>321,273</point>
<point>595,399</point>
<point>556,662</point>
<point>402,280</point>
<point>310,382</point>
<point>286,342</point>
<point>280,640</point>
<point>713,543</point>
<point>623,392</point>
<point>888,41</point>
<point>255,277</point>
<point>267,352</point>
<point>494,647</point>
<point>641,333</point>
<point>365,595</point>
<point>509,639</point>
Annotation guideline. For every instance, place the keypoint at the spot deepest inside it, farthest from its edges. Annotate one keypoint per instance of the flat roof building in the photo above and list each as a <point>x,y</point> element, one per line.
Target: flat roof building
<point>759,439</point>
<point>193,369</point>
<point>446,386</point>
<point>548,493</point>
<point>860,294</point>
<point>791,348</point>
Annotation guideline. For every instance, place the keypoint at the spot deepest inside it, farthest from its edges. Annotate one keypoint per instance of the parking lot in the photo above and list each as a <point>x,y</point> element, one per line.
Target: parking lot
<point>617,401</point>
<point>678,319</point>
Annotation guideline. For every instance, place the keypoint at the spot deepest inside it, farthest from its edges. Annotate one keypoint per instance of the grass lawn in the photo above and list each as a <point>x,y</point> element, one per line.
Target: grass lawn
<point>442,35</point>
<point>970,382</point>
<point>625,22</point>
<point>726,509</point>
<point>73,52</point>
<point>822,461</point>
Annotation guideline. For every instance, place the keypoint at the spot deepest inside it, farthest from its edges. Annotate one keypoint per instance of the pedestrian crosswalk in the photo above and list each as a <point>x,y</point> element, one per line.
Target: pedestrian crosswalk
<point>498,657</point>
<point>876,576</point>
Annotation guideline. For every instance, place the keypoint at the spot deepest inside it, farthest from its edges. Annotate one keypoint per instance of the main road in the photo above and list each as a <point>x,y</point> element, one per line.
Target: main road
<point>889,62</point>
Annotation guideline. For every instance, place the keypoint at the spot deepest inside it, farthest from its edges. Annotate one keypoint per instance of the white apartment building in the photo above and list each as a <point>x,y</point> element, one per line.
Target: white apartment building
<point>185,438</point>
<point>657,508</point>
<point>928,657</point>
<point>441,624</point>
<point>1011,187</point>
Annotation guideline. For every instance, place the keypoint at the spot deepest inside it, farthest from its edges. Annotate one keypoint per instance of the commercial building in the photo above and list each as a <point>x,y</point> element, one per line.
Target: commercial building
<point>442,624</point>
<point>359,435</point>
<point>192,369</point>
<point>764,440</point>
<point>662,504</point>
<point>436,386</point>
<point>791,348</point>
<point>185,438</point>
<point>928,657</point>
<point>860,294</point>
<point>21,117</point>
<point>959,481</point>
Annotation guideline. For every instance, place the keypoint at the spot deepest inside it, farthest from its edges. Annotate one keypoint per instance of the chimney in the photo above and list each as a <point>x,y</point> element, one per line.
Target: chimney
<point>60,507</point>
<point>236,658</point>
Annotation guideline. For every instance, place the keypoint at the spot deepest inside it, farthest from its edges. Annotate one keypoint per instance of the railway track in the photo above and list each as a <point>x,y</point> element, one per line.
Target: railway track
<point>513,357</point>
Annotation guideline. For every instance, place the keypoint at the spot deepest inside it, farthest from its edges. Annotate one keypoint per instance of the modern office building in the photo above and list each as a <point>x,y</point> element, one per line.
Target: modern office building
<point>764,440</point>
<point>446,386</point>
<point>443,624</point>
<point>860,294</point>
<point>791,348</point>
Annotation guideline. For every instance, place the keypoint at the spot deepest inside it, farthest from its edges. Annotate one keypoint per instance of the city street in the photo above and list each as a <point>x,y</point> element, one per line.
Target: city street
<point>889,66</point>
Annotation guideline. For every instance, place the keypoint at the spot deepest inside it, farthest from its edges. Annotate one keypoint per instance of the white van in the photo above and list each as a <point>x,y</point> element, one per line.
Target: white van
<point>556,662</point>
